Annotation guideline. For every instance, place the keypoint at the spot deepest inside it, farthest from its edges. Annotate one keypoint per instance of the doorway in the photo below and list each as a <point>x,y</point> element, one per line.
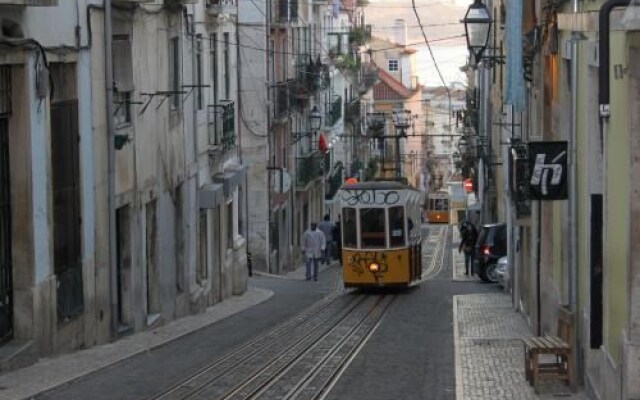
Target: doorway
<point>6,285</point>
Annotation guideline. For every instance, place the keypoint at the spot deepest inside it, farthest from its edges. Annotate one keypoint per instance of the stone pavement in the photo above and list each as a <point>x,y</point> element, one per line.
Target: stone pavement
<point>48,373</point>
<point>490,354</point>
<point>52,372</point>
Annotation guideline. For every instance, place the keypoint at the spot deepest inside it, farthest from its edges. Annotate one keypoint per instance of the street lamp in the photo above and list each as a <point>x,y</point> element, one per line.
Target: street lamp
<point>401,121</point>
<point>477,26</point>
<point>315,118</point>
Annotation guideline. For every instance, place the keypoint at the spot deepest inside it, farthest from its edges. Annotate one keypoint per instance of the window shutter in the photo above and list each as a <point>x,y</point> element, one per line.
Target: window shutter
<point>122,64</point>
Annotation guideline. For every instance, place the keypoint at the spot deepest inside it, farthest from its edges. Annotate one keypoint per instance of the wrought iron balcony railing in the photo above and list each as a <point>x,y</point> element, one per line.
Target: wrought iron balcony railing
<point>352,112</point>
<point>221,124</point>
<point>368,77</point>
<point>310,78</point>
<point>287,11</point>
<point>282,93</point>
<point>333,112</point>
<point>309,168</point>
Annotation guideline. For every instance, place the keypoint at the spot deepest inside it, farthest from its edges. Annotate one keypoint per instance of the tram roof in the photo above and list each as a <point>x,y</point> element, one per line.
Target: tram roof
<point>377,185</point>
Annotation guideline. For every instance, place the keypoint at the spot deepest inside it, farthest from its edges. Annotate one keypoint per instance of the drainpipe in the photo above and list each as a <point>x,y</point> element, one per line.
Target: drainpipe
<point>573,192</point>
<point>111,161</point>
<point>603,52</point>
<point>267,38</point>
<point>191,30</point>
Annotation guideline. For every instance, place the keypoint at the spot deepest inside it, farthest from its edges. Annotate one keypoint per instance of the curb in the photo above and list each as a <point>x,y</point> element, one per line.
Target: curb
<point>457,356</point>
<point>41,377</point>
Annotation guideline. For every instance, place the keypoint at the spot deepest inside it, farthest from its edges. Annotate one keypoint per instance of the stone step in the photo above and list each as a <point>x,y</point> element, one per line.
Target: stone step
<point>17,353</point>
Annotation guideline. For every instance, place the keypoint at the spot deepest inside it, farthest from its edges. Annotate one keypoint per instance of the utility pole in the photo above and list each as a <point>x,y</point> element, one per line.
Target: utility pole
<point>402,121</point>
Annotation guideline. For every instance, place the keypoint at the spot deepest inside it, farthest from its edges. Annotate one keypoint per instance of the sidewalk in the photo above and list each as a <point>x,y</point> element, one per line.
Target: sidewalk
<point>48,373</point>
<point>490,354</point>
<point>52,372</point>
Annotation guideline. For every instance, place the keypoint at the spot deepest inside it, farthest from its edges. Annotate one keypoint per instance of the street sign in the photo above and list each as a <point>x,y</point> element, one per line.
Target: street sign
<point>548,170</point>
<point>468,185</point>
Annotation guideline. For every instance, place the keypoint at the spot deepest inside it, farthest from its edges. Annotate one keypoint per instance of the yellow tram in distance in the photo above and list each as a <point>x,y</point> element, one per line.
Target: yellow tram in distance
<point>381,234</point>
<point>438,207</point>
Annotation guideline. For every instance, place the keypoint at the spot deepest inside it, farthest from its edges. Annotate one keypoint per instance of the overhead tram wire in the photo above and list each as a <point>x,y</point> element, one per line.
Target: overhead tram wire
<point>304,54</point>
<point>435,63</point>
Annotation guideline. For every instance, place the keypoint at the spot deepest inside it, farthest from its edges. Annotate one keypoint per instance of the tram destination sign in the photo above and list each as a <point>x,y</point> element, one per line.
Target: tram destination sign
<point>548,170</point>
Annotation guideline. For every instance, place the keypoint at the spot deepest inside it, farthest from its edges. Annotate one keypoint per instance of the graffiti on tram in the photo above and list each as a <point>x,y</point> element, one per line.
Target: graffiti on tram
<point>370,197</point>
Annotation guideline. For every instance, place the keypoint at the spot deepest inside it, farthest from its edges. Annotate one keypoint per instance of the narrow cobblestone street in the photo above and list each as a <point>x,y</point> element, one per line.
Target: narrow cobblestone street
<point>487,341</point>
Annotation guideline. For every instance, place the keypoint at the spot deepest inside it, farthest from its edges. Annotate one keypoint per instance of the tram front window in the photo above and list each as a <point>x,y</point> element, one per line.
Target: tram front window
<point>372,227</point>
<point>396,232</point>
<point>349,228</point>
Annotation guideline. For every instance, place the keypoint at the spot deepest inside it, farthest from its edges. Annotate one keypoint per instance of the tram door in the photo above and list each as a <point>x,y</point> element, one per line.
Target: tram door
<point>6,295</point>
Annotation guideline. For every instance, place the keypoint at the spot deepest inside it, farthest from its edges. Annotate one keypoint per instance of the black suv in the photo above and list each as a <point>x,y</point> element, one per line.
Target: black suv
<point>491,245</point>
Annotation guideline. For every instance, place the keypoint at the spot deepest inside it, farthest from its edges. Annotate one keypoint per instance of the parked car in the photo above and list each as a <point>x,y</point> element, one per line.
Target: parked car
<point>490,246</point>
<point>502,272</point>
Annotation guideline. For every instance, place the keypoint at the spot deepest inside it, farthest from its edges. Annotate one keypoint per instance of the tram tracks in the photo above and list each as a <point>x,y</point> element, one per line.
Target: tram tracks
<point>434,259</point>
<point>299,359</point>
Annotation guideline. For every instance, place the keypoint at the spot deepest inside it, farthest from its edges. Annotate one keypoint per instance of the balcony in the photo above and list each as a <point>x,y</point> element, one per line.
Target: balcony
<point>287,11</point>
<point>352,112</point>
<point>282,99</point>
<point>35,3</point>
<point>334,182</point>
<point>368,78</point>
<point>334,112</point>
<point>221,124</point>
<point>310,78</point>
<point>131,2</point>
<point>179,2</point>
<point>360,35</point>
<point>219,7</point>
<point>309,168</point>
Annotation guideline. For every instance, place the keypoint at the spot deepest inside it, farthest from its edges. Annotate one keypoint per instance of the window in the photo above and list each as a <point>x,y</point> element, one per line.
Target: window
<point>349,228</point>
<point>230,225</point>
<point>227,71</point>
<point>372,227</point>
<point>213,46</point>
<point>393,65</point>
<point>396,230</point>
<point>123,79</point>
<point>199,90</point>
<point>174,71</point>
<point>122,103</point>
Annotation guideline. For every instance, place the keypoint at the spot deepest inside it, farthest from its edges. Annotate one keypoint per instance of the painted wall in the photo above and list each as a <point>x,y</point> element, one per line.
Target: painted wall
<point>616,218</point>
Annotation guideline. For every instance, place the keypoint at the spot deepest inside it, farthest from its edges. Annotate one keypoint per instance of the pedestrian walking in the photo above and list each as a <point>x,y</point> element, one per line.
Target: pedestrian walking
<point>469,235</point>
<point>326,227</point>
<point>313,245</point>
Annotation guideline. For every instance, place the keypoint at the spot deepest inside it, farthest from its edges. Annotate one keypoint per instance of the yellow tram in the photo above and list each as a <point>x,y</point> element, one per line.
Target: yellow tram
<point>381,234</point>
<point>438,207</point>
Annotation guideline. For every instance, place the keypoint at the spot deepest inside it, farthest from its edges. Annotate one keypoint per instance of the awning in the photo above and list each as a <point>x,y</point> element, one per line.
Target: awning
<point>210,195</point>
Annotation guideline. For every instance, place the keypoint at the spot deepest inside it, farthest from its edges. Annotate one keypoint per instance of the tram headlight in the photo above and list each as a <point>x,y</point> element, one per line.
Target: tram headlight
<point>374,267</point>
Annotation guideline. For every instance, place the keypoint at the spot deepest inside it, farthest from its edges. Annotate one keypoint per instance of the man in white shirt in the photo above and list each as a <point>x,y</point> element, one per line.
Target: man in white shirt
<point>313,245</point>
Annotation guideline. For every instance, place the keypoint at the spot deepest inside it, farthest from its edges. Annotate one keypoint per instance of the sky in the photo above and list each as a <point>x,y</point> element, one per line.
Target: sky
<point>441,22</point>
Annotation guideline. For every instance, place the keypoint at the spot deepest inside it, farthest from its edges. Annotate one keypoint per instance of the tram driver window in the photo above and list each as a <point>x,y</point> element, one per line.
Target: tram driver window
<point>372,227</point>
<point>396,230</point>
<point>349,228</point>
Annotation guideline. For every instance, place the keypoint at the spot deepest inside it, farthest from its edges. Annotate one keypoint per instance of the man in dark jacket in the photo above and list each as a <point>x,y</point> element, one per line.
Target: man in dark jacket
<point>469,235</point>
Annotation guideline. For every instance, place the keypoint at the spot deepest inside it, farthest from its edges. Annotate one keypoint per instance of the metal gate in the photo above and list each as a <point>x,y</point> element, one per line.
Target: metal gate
<point>6,286</point>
